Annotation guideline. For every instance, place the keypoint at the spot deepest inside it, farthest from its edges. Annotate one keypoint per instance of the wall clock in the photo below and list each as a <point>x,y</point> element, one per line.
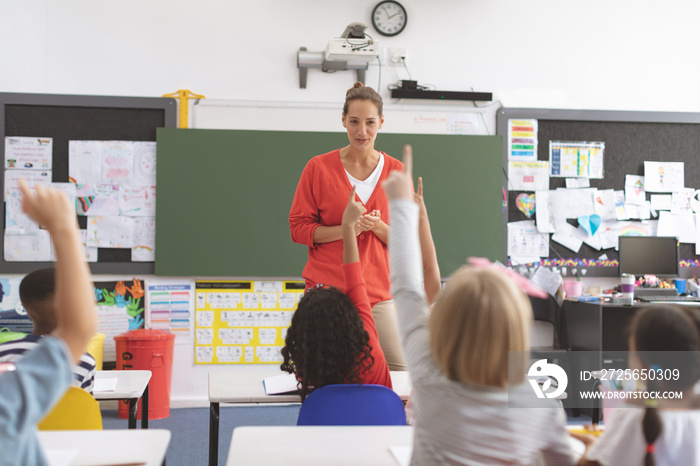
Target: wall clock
<point>389,18</point>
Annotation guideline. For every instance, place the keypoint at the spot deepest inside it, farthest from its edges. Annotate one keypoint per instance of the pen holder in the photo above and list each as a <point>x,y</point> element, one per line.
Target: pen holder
<point>573,288</point>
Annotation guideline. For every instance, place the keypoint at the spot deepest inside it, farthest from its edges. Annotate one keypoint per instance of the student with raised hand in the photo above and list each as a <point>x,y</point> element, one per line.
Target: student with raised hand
<point>657,432</point>
<point>37,381</point>
<point>332,338</point>
<point>457,356</point>
<point>36,291</point>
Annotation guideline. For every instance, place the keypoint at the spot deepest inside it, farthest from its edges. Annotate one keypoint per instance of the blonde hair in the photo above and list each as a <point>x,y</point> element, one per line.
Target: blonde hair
<point>480,316</point>
<point>361,92</point>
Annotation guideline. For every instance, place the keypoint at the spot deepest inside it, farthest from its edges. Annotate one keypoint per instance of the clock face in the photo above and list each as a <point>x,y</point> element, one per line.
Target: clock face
<point>389,18</point>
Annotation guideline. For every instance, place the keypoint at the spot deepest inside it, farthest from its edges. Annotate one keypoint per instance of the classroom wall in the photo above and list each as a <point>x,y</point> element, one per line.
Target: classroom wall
<point>621,55</point>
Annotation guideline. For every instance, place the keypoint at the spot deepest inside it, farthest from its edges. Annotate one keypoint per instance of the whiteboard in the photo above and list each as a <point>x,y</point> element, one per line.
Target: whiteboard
<point>304,116</point>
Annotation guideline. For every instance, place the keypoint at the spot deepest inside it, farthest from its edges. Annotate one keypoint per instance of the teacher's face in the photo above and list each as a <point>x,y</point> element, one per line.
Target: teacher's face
<point>362,122</point>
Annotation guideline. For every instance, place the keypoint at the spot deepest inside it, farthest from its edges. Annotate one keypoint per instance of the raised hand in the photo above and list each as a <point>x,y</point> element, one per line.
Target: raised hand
<point>48,207</point>
<point>418,197</point>
<point>353,211</point>
<point>398,184</point>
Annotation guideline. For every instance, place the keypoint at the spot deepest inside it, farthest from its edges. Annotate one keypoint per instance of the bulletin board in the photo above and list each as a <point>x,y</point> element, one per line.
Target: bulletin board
<point>243,322</point>
<point>72,117</point>
<point>630,138</point>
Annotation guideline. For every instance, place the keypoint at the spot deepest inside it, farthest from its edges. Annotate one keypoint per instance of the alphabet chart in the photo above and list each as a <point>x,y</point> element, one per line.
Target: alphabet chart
<point>243,322</point>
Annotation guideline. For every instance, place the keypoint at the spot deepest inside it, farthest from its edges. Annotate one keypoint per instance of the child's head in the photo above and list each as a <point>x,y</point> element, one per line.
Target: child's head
<point>36,291</point>
<point>655,332</point>
<point>479,316</point>
<point>327,342</point>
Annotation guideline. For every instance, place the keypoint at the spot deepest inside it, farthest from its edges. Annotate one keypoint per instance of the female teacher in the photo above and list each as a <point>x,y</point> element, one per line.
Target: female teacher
<point>321,197</point>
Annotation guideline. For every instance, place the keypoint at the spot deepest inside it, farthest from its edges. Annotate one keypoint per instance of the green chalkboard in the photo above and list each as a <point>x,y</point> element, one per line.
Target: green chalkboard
<point>224,197</point>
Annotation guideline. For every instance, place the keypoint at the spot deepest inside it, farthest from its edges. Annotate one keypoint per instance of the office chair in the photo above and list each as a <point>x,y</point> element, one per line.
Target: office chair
<point>77,410</point>
<point>352,405</point>
<point>547,315</point>
<point>548,312</point>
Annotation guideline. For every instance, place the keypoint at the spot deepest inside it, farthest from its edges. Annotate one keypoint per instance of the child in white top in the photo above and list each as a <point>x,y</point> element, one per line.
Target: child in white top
<point>667,432</point>
<point>458,357</point>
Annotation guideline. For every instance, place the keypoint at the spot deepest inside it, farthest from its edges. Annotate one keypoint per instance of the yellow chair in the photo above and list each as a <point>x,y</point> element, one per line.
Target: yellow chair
<point>77,410</point>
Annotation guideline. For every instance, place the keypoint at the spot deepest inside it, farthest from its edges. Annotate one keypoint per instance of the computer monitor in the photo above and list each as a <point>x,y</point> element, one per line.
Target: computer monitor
<point>649,255</point>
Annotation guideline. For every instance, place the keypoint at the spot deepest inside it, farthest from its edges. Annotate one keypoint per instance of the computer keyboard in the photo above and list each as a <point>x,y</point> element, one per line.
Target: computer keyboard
<point>669,299</point>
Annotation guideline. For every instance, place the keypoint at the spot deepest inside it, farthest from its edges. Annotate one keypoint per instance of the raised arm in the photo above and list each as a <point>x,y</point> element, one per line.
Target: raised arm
<point>75,303</point>
<point>406,272</point>
<point>352,213</point>
<point>431,268</point>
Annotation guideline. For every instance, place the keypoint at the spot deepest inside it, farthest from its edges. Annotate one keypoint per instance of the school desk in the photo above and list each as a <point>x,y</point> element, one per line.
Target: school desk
<point>237,388</point>
<point>131,385</point>
<point>318,445</point>
<point>107,447</point>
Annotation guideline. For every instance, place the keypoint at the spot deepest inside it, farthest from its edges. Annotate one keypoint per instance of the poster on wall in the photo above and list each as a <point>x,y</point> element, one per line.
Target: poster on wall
<point>170,306</point>
<point>243,322</point>
<point>576,159</point>
<point>522,140</point>
<point>120,308</point>
<point>13,317</point>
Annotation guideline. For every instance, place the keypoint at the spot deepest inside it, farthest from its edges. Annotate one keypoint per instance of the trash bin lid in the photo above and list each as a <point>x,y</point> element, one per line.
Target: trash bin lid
<point>145,334</point>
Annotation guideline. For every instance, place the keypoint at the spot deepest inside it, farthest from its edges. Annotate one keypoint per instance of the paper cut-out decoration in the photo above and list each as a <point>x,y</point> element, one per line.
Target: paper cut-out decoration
<point>585,224</point>
<point>526,204</point>
<point>589,223</point>
<point>595,222</point>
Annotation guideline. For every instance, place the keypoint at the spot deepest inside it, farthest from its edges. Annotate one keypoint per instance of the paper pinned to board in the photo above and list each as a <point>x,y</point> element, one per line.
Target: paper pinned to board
<point>525,240</point>
<point>634,189</point>
<point>568,236</point>
<point>528,176</point>
<point>664,177</point>
<point>544,220</point>
<point>681,226</point>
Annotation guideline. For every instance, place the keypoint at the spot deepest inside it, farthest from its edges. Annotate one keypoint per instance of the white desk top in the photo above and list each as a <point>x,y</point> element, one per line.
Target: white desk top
<point>130,384</point>
<point>102,447</point>
<point>234,387</point>
<point>313,445</point>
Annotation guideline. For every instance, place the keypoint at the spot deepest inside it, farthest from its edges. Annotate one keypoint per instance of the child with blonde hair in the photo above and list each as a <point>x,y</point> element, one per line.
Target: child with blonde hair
<point>467,409</point>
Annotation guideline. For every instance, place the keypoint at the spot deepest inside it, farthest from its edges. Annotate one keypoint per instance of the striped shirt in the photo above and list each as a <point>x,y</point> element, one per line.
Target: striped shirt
<point>84,371</point>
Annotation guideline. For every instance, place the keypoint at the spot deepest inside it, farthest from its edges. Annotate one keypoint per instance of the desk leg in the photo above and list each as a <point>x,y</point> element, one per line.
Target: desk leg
<point>133,406</point>
<point>213,434</point>
<point>144,409</point>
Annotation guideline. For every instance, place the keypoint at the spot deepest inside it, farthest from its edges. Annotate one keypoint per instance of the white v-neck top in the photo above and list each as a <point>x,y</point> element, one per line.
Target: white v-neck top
<point>364,189</point>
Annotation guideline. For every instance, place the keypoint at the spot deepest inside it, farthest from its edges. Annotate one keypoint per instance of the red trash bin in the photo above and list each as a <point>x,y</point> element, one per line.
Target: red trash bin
<point>152,350</point>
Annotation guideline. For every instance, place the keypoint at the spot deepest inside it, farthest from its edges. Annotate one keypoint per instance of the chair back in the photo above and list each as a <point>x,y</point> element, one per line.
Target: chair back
<point>548,310</point>
<point>352,405</point>
<point>77,410</point>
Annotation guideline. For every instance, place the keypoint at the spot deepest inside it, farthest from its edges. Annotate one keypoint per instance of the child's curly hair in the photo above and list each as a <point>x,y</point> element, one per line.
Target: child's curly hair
<point>327,342</point>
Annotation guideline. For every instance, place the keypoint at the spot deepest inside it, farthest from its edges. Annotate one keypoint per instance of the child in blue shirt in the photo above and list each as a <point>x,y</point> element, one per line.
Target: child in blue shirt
<point>30,387</point>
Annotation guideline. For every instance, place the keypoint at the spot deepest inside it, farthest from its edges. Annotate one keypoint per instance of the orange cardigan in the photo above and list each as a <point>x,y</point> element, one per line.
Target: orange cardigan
<point>320,199</point>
